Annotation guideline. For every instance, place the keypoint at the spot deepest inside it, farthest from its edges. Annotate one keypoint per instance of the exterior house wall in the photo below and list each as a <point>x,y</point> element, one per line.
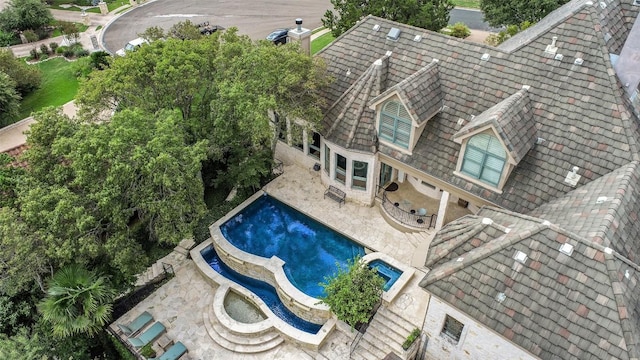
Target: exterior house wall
<point>292,155</point>
<point>434,193</point>
<point>364,197</point>
<point>476,340</point>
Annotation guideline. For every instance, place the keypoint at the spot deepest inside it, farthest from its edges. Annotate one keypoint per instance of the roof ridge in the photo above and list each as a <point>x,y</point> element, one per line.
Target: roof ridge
<point>367,86</point>
<point>398,87</point>
<point>444,247</point>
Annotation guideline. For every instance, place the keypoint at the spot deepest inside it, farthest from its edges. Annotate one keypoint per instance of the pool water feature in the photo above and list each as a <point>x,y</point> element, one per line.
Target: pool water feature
<point>263,290</point>
<point>389,273</point>
<point>310,250</point>
<point>242,310</point>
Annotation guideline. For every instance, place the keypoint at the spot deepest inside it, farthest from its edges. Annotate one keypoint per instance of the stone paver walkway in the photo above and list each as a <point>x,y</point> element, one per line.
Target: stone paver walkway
<point>181,303</point>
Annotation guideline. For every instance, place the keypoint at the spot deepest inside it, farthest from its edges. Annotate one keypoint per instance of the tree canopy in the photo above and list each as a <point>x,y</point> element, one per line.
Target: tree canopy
<point>9,102</point>
<point>22,15</point>
<point>514,12</point>
<point>428,14</point>
<point>27,78</point>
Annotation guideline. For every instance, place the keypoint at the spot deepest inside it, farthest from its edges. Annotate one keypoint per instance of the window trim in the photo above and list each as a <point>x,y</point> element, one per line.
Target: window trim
<point>506,166</point>
<point>340,171</point>
<point>327,159</point>
<point>311,146</point>
<point>394,129</point>
<point>359,178</point>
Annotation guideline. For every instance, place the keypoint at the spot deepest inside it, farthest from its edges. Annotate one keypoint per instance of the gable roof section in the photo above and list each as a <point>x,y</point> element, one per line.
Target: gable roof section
<point>605,211</point>
<point>582,306</point>
<point>349,122</point>
<point>420,93</point>
<point>513,120</point>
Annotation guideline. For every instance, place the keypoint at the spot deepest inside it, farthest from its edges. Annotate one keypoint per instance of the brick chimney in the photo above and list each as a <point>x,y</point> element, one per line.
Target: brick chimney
<point>302,35</point>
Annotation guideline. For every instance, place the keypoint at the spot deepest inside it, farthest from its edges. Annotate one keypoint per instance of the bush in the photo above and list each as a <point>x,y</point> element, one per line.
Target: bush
<point>459,30</point>
<point>147,351</point>
<point>44,49</point>
<point>80,53</point>
<point>7,38</point>
<point>33,54</point>
<point>53,46</point>
<point>30,35</point>
<point>61,49</point>
<point>44,57</point>
<point>68,53</point>
<point>411,339</point>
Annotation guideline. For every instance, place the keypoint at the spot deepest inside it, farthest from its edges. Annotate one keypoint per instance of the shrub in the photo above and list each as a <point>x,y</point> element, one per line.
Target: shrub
<point>411,339</point>
<point>61,49</point>
<point>44,56</point>
<point>459,30</point>
<point>33,54</point>
<point>147,351</point>
<point>7,38</point>
<point>80,53</point>
<point>44,49</point>
<point>53,46</point>
<point>30,35</point>
<point>68,53</point>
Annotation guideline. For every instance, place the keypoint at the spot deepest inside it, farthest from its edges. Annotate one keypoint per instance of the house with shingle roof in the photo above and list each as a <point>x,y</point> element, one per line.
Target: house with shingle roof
<point>537,138</point>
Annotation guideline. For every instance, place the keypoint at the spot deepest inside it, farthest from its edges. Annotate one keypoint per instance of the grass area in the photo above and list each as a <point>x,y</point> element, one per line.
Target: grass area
<point>472,4</point>
<point>59,86</point>
<point>57,4</point>
<point>320,42</point>
<point>81,28</point>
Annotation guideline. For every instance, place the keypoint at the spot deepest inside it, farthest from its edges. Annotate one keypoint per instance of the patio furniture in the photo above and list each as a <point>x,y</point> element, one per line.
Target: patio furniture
<point>148,335</point>
<point>335,194</point>
<point>422,211</point>
<point>174,352</point>
<point>136,325</point>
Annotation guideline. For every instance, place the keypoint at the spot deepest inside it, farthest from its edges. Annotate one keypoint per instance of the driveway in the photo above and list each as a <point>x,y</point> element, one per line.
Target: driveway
<point>256,18</point>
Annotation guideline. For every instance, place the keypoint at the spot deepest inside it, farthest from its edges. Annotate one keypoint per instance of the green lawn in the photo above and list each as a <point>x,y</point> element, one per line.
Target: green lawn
<point>59,86</point>
<point>320,42</point>
<point>473,4</point>
<point>55,4</point>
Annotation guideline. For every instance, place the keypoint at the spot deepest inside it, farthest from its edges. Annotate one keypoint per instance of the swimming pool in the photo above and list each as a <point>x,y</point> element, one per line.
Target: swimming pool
<point>268,227</point>
<point>263,290</point>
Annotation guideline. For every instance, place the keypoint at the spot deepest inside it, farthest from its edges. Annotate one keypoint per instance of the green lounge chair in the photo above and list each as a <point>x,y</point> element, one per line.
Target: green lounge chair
<point>174,352</point>
<point>137,324</point>
<point>148,335</point>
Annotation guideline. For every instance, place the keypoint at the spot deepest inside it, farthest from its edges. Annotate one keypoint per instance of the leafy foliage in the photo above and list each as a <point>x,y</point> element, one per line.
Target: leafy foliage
<point>459,30</point>
<point>22,15</point>
<point>510,12</point>
<point>353,292</point>
<point>78,301</point>
<point>184,30</point>
<point>427,14</point>
<point>9,103</point>
<point>504,35</point>
<point>27,78</point>
<point>23,346</point>
<point>415,333</point>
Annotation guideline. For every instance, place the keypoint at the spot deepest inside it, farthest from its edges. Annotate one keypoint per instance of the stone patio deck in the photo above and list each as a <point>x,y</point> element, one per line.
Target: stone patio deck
<point>181,303</point>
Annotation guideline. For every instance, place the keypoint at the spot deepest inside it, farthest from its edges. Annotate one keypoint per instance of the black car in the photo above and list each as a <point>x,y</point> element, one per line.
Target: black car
<point>278,36</point>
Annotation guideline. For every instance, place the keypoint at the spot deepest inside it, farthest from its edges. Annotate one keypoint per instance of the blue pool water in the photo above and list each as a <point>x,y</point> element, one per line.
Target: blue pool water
<point>263,290</point>
<point>387,272</point>
<point>267,227</point>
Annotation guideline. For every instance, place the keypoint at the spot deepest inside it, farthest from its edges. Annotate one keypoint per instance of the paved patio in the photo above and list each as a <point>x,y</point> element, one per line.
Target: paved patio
<point>181,303</point>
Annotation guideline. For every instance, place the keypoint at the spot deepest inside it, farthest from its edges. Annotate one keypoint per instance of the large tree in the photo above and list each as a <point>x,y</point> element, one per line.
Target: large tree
<point>515,12</point>
<point>26,77</point>
<point>9,102</point>
<point>428,14</point>
<point>22,15</point>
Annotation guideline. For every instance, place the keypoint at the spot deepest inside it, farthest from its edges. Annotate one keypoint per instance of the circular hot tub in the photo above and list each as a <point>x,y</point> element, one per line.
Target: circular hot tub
<point>241,309</point>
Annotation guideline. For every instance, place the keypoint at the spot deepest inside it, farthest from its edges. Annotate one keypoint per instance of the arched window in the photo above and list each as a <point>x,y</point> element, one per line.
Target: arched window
<point>395,124</point>
<point>484,159</point>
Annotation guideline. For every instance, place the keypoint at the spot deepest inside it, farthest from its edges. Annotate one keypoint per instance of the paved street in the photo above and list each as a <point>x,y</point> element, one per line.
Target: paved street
<point>254,18</point>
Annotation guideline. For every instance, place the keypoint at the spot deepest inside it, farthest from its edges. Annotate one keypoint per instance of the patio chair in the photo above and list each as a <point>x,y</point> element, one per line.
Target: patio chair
<point>148,335</point>
<point>137,324</point>
<point>174,352</point>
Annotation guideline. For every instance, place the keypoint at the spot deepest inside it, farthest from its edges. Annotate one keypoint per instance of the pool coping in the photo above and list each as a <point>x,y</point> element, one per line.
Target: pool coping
<point>312,341</point>
<point>395,289</point>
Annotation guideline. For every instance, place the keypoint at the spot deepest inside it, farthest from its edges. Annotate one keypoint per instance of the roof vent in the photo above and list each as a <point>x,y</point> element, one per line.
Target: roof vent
<point>566,249</point>
<point>393,34</point>
<point>552,48</point>
<point>507,230</point>
<point>559,57</point>
<point>501,297</point>
<point>573,177</point>
<point>376,27</point>
<point>608,250</point>
<point>546,223</point>
<point>417,38</point>
<point>460,121</point>
<point>627,274</point>
<point>348,72</point>
<point>603,5</point>
<point>601,199</point>
<point>485,57</point>
<point>487,221</point>
<point>388,53</point>
<point>519,256</point>
<point>578,61</point>
<point>540,140</point>
<point>460,259</point>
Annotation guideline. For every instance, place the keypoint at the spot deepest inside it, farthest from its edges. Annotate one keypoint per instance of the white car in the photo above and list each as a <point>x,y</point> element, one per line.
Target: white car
<point>132,45</point>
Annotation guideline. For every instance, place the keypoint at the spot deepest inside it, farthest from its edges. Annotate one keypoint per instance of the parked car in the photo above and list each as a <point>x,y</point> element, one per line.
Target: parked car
<point>132,45</point>
<point>208,29</point>
<point>278,36</point>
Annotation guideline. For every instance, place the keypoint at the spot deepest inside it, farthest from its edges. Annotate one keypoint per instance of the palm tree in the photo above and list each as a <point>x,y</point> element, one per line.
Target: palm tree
<point>78,301</point>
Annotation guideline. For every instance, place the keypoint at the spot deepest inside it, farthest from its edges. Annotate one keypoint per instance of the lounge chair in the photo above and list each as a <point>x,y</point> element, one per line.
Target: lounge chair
<point>174,352</point>
<point>148,335</point>
<point>137,324</point>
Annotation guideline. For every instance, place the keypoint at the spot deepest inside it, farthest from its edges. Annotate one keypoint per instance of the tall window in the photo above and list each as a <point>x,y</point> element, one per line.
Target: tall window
<point>359,175</point>
<point>327,159</point>
<point>341,168</point>
<point>484,159</point>
<point>314,146</point>
<point>297,136</point>
<point>452,328</point>
<point>281,123</point>
<point>395,124</point>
